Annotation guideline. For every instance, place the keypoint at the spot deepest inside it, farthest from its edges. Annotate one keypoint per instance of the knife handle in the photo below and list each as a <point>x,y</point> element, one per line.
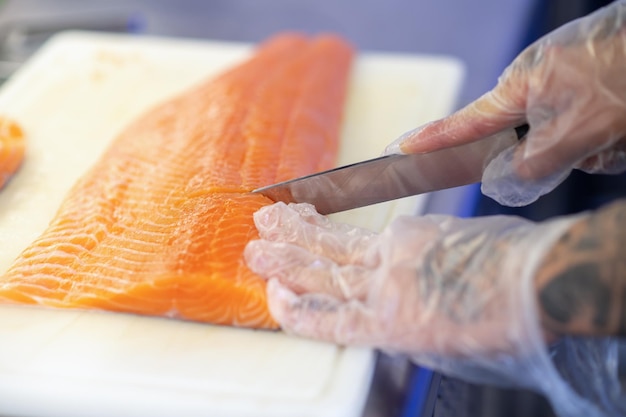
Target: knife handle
<point>521,131</point>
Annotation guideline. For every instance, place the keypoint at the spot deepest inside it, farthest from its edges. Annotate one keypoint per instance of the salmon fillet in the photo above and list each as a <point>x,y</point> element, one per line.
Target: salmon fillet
<point>12,145</point>
<point>158,225</point>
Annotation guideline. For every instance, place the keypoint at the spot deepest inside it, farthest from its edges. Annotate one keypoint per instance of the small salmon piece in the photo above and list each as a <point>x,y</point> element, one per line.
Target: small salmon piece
<point>12,146</point>
<point>158,225</point>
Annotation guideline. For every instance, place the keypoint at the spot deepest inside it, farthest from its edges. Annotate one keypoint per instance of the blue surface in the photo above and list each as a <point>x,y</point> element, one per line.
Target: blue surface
<point>418,393</point>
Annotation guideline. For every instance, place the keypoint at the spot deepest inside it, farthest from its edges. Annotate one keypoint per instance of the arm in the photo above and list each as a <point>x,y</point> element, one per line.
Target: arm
<point>444,277</point>
<point>581,283</point>
<point>474,298</point>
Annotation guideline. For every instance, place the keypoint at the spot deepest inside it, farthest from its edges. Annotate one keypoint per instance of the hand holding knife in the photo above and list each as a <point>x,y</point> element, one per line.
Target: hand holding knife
<point>393,176</point>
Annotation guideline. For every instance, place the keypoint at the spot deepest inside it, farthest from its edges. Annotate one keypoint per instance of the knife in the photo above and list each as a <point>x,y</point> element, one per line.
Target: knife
<point>393,176</point>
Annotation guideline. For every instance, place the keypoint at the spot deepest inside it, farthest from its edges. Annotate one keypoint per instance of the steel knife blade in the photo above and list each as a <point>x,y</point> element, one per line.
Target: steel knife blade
<point>393,176</point>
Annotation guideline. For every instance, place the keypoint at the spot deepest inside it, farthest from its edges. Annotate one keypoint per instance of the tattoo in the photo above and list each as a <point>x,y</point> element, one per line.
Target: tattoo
<point>446,275</point>
<point>575,292</point>
<point>581,283</point>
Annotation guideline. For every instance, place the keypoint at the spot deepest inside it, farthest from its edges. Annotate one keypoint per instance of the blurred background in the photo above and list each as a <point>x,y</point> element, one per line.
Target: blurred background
<point>485,34</point>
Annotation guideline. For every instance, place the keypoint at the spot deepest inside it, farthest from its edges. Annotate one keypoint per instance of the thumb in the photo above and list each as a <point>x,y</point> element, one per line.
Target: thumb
<point>501,180</point>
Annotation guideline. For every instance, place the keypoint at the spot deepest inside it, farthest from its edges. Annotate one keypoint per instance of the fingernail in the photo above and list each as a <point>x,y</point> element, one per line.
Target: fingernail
<point>259,258</point>
<point>395,146</point>
<point>263,217</point>
<point>280,300</point>
<point>253,256</point>
<point>280,292</point>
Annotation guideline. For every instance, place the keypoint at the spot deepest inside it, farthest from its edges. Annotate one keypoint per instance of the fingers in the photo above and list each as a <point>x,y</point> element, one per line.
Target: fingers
<point>302,271</point>
<point>559,144</point>
<point>495,111</point>
<point>301,225</point>
<point>609,161</point>
<point>503,183</point>
<point>322,317</point>
<point>522,174</point>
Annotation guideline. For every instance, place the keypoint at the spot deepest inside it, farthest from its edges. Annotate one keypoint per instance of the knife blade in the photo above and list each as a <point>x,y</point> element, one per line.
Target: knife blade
<point>393,176</point>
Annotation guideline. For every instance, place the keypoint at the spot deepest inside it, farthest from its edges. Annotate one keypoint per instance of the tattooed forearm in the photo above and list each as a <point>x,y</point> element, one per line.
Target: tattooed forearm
<point>581,283</point>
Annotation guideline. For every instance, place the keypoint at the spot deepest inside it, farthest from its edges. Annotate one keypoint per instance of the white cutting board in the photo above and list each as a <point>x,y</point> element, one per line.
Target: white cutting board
<point>71,99</point>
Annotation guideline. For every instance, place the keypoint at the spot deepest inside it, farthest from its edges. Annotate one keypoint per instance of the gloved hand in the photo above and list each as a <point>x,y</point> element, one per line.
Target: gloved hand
<point>456,295</point>
<point>570,88</point>
<point>426,285</point>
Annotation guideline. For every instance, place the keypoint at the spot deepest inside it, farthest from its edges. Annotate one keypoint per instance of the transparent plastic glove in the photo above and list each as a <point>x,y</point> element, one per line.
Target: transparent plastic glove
<point>570,88</point>
<point>455,294</point>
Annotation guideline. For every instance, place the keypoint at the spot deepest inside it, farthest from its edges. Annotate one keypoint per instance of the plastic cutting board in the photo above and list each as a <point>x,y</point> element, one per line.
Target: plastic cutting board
<point>71,99</point>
